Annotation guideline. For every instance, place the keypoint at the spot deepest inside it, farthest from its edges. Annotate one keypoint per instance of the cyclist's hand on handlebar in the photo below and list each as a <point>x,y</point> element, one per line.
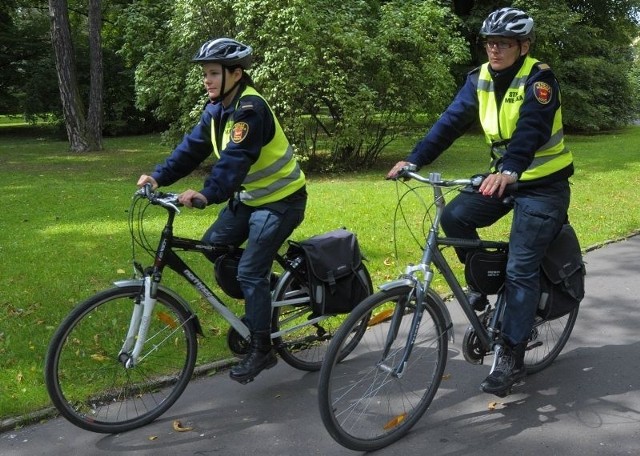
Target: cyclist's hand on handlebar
<point>494,184</point>
<point>144,179</point>
<point>393,172</point>
<point>188,197</point>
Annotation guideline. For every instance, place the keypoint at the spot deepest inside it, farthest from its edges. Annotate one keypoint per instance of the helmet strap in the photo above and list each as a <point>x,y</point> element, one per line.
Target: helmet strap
<point>223,93</point>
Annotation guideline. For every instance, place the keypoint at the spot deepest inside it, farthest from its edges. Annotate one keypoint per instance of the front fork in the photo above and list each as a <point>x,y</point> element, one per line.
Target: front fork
<point>139,324</point>
<point>418,290</point>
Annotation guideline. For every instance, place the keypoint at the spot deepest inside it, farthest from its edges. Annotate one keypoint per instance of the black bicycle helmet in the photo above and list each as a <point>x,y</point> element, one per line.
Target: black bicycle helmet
<point>225,51</point>
<point>508,22</point>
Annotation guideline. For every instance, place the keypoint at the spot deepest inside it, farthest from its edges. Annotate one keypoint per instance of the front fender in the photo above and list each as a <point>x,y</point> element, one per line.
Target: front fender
<point>161,288</point>
<point>432,296</point>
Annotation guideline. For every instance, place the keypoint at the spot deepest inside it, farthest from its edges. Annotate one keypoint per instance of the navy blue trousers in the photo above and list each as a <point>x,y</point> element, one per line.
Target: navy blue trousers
<point>538,215</point>
<point>264,229</point>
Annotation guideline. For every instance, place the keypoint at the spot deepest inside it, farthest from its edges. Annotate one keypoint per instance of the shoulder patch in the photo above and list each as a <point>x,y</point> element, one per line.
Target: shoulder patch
<point>543,92</point>
<point>543,66</point>
<point>239,131</point>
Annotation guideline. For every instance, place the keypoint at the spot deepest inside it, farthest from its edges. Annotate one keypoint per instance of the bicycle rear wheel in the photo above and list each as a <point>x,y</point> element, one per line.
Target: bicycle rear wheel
<point>303,345</point>
<point>363,403</point>
<point>88,383</point>
<point>548,338</point>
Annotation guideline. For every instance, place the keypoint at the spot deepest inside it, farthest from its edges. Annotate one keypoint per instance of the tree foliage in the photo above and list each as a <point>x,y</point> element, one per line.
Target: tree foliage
<point>25,60</point>
<point>28,73</point>
<point>343,78</point>
<point>588,45</point>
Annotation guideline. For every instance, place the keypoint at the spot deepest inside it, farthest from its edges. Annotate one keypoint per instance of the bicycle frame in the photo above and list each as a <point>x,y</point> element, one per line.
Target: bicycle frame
<point>166,256</point>
<point>375,395</point>
<point>433,255</point>
<point>152,276</point>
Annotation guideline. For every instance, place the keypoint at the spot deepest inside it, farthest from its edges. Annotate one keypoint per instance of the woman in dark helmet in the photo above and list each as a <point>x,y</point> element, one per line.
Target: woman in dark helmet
<point>257,175</point>
<point>517,101</point>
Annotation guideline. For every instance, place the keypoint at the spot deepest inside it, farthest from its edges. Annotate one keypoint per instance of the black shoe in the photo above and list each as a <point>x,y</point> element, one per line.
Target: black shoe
<point>478,301</point>
<point>508,369</point>
<point>260,357</point>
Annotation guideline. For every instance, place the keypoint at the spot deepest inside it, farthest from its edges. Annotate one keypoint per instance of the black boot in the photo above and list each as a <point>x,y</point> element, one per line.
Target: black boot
<point>261,356</point>
<point>508,368</point>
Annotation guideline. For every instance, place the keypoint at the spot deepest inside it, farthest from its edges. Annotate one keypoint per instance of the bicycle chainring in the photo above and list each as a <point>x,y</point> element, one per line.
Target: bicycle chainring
<point>472,348</point>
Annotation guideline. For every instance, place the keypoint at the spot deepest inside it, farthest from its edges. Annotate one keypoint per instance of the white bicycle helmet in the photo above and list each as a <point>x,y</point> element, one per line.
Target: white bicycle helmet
<point>508,22</point>
<point>225,51</point>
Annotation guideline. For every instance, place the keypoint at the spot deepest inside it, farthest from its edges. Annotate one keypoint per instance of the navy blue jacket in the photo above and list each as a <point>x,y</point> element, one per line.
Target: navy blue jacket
<point>532,130</point>
<point>228,173</point>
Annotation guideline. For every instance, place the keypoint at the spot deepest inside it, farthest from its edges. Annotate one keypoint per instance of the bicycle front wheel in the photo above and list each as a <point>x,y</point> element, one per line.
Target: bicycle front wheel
<point>85,373</point>
<point>301,343</point>
<point>375,395</point>
<point>548,338</point>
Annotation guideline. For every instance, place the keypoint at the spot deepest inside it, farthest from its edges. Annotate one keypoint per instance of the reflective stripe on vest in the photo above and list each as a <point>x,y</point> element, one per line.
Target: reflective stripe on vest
<point>499,126</point>
<point>276,174</point>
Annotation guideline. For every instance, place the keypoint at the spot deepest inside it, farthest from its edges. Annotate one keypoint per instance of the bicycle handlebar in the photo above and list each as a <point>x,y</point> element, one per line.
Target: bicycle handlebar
<point>436,180</point>
<point>166,200</point>
<point>198,203</point>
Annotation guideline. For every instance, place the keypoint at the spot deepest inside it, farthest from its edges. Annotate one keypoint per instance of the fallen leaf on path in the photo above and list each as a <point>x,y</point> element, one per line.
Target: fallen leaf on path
<point>495,405</point>
<point>177,426</point>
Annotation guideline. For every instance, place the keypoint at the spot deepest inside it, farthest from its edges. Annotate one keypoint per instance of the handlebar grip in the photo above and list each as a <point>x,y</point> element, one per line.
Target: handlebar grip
<point>198,203</point>
<point>147,189</point>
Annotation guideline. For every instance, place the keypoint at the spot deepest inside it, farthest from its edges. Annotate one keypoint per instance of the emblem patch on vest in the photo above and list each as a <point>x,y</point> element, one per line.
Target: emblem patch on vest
<point>239,132</point>
<point>542,92</point>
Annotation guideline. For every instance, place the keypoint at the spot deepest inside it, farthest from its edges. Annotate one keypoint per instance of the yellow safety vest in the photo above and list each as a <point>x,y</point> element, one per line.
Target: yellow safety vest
<point>276,174</point>
<point>499,125</point>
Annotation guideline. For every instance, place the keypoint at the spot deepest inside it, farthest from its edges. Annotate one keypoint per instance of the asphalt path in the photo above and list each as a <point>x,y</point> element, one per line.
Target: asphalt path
<point>586,403</point>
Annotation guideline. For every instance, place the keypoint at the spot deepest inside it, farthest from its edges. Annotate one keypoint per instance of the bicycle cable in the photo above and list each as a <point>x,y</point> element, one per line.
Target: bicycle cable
<point>137,233</point>
<point>426,220</point>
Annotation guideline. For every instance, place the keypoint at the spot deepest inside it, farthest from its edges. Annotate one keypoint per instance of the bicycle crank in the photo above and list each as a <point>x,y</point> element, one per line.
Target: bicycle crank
<point>237,344</point>
<point>472,347</point>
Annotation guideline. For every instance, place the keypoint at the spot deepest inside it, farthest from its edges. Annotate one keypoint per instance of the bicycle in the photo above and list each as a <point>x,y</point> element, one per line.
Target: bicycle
<point>125,355</point>
<point>374,396</point>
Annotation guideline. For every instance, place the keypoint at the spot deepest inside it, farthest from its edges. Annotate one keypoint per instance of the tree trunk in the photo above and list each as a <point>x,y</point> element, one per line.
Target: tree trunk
<point>95,118</point>
<point>72,107</point>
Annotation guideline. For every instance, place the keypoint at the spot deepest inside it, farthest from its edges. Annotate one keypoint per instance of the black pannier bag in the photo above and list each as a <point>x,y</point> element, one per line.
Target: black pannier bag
<point>338,278</point>
<point>562,276</point>
<point>485,270</point>
<point>226,273</point>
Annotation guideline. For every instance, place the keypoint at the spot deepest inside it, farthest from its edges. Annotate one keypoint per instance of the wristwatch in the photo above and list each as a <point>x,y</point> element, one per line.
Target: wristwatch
<point>510,173</point>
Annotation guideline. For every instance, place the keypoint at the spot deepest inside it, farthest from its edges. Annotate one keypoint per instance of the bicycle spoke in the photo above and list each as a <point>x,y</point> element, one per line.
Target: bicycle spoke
<point>366,406</point>
<point>91,386</point>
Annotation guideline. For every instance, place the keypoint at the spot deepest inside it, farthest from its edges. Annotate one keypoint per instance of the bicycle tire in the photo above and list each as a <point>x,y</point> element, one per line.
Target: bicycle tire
<point>548,338</point>
<point>92,389</point>
<point>362,405</point>
<point>303,346</point>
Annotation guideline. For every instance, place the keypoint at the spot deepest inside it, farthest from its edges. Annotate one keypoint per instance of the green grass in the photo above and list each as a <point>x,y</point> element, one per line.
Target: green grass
<point>63,230</point>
